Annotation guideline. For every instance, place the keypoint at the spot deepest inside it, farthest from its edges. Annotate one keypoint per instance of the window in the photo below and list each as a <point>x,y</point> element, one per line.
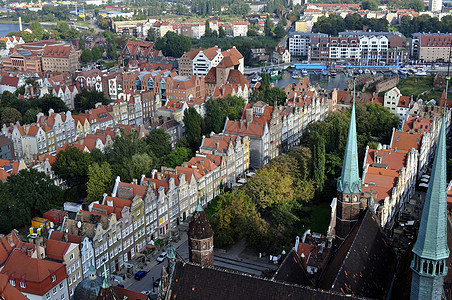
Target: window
<point>48,296</point>
<point>22,284</point>
<point>53,278</point>
<point>55,290</point>
<point>12,282</point>
<point>62,297</point>
<point>71,257</point>
<point>61,285</point>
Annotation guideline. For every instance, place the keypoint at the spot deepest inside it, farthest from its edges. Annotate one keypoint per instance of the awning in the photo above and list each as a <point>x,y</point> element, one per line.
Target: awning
<point>152,247</point>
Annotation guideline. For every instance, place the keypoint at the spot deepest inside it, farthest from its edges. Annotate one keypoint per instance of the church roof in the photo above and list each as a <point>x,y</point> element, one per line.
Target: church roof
<point>364,264</point>
<point>431,241</point>
<point>191,281</point>
<point>350,183</point>
<point>293,270</point>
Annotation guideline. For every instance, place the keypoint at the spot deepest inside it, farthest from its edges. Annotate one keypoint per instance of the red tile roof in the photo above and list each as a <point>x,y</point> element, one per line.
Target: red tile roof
<point>242,128</point>
<point>57,51</point>
<point>137,189</point>
<point>7,291</point>
<point>36,273</point>
<point>56,249</point>
<point>406,141</point>
<point>395,160</point>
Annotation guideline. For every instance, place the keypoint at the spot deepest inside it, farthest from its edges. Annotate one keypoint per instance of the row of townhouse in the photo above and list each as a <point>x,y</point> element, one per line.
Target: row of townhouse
<point>274,130</point>
<point>137,214</point>
<point>389,180</point>
<point>358,47</point>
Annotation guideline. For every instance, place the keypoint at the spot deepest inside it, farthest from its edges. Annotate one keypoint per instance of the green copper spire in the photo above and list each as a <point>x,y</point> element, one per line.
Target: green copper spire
<point>171,251</point>
<point>350,183</point>
<point>105,283</point>
<point>431,241</point>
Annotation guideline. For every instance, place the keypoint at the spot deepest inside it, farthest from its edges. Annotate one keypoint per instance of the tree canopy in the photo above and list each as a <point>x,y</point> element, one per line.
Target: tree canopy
<point>87,99</point>
<point>335,23</point>
<point>173,44</point>
<point>218,109</point>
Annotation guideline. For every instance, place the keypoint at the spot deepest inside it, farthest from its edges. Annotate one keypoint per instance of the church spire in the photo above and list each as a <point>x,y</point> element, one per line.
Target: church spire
<point>431,250</point>
<point>350,183</point>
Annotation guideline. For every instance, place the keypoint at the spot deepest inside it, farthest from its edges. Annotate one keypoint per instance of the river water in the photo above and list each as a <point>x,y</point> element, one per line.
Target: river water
<point>326,82</point>
<point>7,28</point>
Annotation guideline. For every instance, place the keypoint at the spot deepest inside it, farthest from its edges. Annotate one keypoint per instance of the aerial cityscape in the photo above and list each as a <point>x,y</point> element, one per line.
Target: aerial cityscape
<point>278,149</point>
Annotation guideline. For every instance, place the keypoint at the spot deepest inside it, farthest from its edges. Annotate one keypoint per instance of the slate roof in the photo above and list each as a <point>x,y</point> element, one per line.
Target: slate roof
<point>191,281</point>
<point>293,270</point>
<point>199,228</point>
<point>364,264</point>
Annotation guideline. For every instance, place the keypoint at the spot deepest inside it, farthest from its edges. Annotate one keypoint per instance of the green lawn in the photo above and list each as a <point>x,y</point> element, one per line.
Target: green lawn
<point>416,85</point>
<point>316,217</point>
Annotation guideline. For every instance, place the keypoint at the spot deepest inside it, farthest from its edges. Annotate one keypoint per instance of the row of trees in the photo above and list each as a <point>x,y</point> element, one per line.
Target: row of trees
<point>335,23</point>
<point>13,109</point>
<point>425,23</point>
<point>267,210</point>
<point>130,156</point>
<point>24,196</point>
<point>173,44</point>
<point>92,55</point>
<point>214,7</point>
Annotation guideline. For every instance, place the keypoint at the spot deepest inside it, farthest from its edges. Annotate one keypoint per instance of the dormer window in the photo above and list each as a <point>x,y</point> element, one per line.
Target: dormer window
<point>53,278</point>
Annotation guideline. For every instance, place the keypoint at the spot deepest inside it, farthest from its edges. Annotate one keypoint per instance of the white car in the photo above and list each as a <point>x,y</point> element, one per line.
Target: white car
<point>146,292</point>
<point>162,256</point>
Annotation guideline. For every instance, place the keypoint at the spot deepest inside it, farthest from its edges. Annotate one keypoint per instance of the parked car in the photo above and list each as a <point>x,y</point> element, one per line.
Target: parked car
<point>146,292</point>
<point>140,274</point>
<point>162,257</point>
<point>157,282</point>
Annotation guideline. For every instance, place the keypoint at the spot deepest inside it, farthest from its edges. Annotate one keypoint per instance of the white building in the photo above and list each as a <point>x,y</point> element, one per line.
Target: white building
<point>206,59</point>
<point>300,42</point>
<point>240,28</point>
<point>397,104</point>
<point>435,5</point>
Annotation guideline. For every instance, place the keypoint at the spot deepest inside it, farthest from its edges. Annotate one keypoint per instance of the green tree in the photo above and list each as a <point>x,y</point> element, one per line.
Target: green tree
<point>151,36</point>
<point>369,4</point>
<point>268,27</point>
<point>194,127</point>
<point>38,32</point>
<point>269,187</point>
<point>283,21</point>
<point>11,115</point>
<point>100,179</point>
<point>32,193</point>
<point>177,157</point>
<point>72,166</point>
<point>317,145</point>
<point>279,31</point>
<point>97,52</point>
<point>30,115</point>
<point>111,50</point>
<point>159,142</point>
<point>87,99</point>
<point>141,163</point>
<point>173,44</point>
<point>86,56</point>
<point>47,102</point>
<point>221,32</point>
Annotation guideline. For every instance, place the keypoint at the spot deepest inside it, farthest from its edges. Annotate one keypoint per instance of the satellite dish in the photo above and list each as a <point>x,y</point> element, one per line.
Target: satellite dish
<point>79,224</point>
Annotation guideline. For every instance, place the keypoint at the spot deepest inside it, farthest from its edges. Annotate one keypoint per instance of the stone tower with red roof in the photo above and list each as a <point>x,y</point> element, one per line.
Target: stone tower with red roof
<point>200,238</point>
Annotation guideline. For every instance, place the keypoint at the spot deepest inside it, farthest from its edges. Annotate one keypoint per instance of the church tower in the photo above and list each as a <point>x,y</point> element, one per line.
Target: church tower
<point>200,238</point>
<point>349,185</point>
<point>431,250</point>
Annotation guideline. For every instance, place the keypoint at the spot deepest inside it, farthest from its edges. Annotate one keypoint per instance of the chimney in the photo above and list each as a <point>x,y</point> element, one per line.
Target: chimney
<point>29,252</point>
<point>249,115</point>
<point>65,237</point>
<point>51,111</point>
<point>110,202</point>
<point>20,23</point>
<point>135,181</point>
<point>10,239</point>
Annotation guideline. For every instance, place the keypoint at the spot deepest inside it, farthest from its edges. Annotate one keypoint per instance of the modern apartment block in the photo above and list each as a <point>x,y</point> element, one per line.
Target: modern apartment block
<point>300,42</point>
<point>431,47</point>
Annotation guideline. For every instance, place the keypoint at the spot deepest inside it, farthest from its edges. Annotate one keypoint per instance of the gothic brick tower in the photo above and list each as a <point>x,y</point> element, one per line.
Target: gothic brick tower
<point>349,185</point>
<point>200,238</point>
